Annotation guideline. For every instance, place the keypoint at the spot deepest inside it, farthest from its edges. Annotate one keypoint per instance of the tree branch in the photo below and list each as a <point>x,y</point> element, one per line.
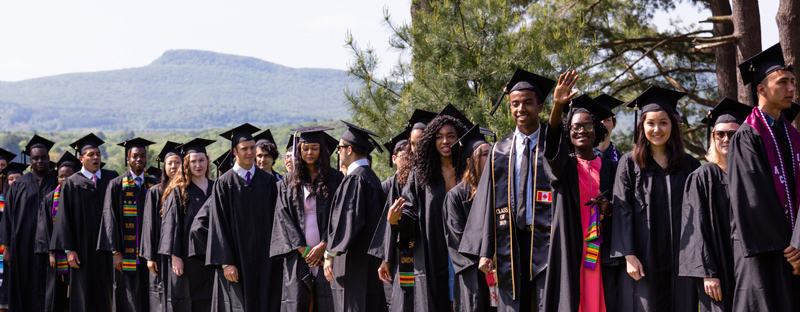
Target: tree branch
<point>677,85</point>
<point>718,19</point>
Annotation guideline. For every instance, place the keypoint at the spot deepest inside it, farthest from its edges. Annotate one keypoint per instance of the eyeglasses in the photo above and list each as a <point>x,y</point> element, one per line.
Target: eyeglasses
<point>720,135</point>
<point>339,147</point>
<point>585,126</point>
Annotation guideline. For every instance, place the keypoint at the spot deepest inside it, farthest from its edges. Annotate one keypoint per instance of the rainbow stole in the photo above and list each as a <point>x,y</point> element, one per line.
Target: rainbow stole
<point>130,221</point>
<point>594,237</point>
<point>61,259</point>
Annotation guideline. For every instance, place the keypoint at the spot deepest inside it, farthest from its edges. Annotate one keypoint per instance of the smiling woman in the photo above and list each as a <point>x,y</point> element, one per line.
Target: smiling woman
<point>647,209</point>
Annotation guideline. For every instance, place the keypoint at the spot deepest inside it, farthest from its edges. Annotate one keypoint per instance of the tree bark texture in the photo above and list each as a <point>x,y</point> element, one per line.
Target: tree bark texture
<point>747,28</point>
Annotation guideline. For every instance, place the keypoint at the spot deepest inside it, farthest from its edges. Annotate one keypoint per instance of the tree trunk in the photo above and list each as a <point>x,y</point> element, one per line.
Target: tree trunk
<point>788,20</point>
<point>747,28</point>
<point>725,56</point>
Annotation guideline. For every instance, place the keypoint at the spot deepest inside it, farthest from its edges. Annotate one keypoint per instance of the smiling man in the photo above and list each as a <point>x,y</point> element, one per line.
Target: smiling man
<point>764,184</point>
<point>120,229</point>
<point>25,270</point>
<point>515,200</point>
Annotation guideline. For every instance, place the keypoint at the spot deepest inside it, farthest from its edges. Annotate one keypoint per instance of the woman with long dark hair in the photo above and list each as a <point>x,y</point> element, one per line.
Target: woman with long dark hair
<point>190,282</point>
<point>648,196</point>
<point>706,244</point>
<point>151,224</point>
<point>301,221</point>
<point>577,278</point>
<point>470,291</point>
<point>422,281</point>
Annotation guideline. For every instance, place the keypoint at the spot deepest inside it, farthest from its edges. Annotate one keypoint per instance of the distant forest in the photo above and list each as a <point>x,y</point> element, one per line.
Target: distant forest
<point>181,90</point>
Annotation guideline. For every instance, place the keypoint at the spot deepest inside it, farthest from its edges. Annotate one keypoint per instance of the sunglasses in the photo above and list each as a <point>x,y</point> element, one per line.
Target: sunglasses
<point>720,135</point>
<point>339,147</point>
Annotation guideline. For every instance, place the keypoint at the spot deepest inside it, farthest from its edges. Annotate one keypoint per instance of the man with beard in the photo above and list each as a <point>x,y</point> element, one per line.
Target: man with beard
<point>27,270</point>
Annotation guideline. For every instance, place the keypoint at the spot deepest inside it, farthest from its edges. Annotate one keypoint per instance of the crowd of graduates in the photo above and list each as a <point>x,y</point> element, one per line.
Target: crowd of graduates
<point>551,217</point>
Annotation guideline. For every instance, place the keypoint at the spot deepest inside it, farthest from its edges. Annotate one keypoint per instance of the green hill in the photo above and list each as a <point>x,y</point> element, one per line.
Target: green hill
<point>181,90</point>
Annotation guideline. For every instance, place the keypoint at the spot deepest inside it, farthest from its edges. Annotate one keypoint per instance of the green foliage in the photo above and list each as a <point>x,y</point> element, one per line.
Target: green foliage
<point>182,90</point>
<point>463,52</point>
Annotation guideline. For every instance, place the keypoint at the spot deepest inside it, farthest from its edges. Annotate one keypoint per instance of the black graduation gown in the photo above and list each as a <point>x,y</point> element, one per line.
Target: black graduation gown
<point>355,213</point>
<point>470,291</point>
<point>148,249</point>
<point>55,285</point>
<point>288,234</point>
<point>706,250</point>
<point>240,218</point>
<point>191,291</point>
<point>648,226</point>
<point>25,271</point>
<point>562,286</point>
<point>482,239</point>
<point>198,238</point>
<point>131,290</point>
<point>384,243</point>
<point>80,211</point>
<point>760,231</point>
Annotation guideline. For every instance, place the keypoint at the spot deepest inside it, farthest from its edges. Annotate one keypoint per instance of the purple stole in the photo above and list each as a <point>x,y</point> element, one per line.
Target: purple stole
<point>758,121</point>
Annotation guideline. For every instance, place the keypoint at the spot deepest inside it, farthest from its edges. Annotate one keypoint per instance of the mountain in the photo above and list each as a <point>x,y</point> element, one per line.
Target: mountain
<point>181,90</point>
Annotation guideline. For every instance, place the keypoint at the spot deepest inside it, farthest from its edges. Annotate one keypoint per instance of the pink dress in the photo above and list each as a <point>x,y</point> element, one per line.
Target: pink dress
<point>592,298</point>
<point>310,217</point>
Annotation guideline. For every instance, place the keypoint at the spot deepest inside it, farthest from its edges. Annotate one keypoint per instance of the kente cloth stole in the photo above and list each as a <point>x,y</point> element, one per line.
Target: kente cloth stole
<point>406,267</point>
<point>130,222</point>
<point>61,259</point>
<point>594,237</point>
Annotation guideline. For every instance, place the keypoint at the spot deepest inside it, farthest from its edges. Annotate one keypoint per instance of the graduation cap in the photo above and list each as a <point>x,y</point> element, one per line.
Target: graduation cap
<point>36,141</point>
<point>525,80</point>
<point>241,133</point>
<point>331,142</point>
<point>6,155</point>
<point>290,143</point>
<point>469,142</point>
<point>725,111</point>
<point>153,171</point>
<point>12,168</point>
<point>488,132</point>
<point>315,134</point>
<point>264,137</point>
<point>68,159</point>
<point>758,67</point>
<point>452,111</point>
<point>102,165</point>
<point>196,145</point>
<point>585,104</point>
<point>224,162</point>
<point>136,142</point>
<point>86,142</point>
<point>608,101</point>
<point>394,142</point>
<point>170,149</point>
<point>655,99</point>
<point>361,137</point>
<point>419,119</point>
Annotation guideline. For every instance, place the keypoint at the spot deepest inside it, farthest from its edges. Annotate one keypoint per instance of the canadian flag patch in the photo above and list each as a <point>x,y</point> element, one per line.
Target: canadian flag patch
<point>543,196</point>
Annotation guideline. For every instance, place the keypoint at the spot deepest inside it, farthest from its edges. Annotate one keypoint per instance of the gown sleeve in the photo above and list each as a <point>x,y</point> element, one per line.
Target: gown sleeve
<point>109,238</point>
<point>170,226</point>
<point>63,236</point>
<point>623,207</point>
<point>44,225</point>
<point>149,242</point>
<point>556,152</point>
<point>287,236</point>
<point>347,215</point>
<point>479,239</point>
<point>697,257</point>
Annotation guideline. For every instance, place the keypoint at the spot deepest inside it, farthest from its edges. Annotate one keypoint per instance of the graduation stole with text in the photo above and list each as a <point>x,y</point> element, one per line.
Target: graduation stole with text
<point>593,237</point>
<point>758,121</point>
<point>406,266</point>
<point>130,222</point>
<point>61,259</point>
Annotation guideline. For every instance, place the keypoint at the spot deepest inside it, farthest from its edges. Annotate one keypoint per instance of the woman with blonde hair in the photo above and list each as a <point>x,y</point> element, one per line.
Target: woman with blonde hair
<point>190,282</point>
<point>706,253</point>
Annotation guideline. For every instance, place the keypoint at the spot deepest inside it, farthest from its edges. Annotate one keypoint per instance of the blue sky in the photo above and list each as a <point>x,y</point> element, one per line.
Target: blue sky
<point>43,38</point>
